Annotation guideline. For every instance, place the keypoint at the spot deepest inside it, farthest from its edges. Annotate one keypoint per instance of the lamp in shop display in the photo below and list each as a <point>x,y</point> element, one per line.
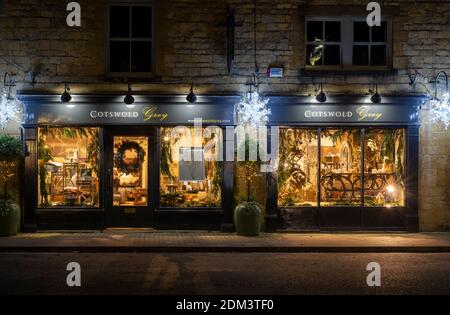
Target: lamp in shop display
<point>11,109</point>
<point>440,105</point>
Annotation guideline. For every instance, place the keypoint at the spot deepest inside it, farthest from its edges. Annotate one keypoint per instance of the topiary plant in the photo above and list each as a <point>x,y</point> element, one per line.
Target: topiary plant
<point>11,152</point>
<point>11,149</point>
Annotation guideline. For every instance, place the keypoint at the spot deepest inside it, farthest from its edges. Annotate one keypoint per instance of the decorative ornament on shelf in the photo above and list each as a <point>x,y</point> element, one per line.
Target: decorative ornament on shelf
<point>440,106</point>
<point>11,109</point>
<point>252,109</point>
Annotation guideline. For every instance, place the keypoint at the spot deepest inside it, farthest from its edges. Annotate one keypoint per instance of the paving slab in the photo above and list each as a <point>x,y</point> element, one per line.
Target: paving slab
<point>186,241</point>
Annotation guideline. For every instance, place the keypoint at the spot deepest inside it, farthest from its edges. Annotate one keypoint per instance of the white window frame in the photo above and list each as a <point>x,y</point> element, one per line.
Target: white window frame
<point>129,4</point>
<point>346,43</point>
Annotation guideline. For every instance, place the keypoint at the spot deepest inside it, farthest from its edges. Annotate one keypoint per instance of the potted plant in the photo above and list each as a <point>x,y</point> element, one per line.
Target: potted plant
<point>11,152</point>
<point>248,213</point>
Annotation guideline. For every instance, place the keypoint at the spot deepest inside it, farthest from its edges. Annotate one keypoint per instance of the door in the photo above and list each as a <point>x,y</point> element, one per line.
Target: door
<point>129,154</point>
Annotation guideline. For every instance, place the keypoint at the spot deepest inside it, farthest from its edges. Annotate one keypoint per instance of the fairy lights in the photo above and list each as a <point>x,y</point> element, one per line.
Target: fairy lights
<point>11,109</point>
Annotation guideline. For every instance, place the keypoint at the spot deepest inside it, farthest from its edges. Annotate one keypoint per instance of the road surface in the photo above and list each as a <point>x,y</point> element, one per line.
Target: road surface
<point>224,273</point>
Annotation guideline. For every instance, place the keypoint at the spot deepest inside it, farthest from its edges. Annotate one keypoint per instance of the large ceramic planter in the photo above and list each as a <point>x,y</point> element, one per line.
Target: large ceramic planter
<point>9,218</point>
<point>247,218</point>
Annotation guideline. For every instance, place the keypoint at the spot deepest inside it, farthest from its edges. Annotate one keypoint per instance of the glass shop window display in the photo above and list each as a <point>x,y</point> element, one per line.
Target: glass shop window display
<point>384,167</point>
<point>340,167</point>
<point>297,167</point>
<point>68,160</point>
<point>190,170</point>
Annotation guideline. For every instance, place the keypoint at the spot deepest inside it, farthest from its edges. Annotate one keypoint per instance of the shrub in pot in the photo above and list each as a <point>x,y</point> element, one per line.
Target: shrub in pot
<point>11,152</point>
<point>247,218</point>
<point>9,217</point>
<point>248,214</point>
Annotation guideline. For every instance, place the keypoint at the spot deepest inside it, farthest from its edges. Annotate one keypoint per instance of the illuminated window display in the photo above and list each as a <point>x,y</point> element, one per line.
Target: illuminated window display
<point>68,159</point>
<point>340,167</point>
<point>189,175</point>
<point>130,173</point>
<point>384,164</point>
<point>297,171</point>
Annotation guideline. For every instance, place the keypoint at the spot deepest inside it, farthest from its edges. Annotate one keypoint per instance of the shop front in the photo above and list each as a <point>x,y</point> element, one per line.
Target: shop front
<point>348,164</point>
<point>97,163</point>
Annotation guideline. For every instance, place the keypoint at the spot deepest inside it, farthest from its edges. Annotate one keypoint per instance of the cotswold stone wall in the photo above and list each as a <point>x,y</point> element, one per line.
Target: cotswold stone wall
<point>190,46</point>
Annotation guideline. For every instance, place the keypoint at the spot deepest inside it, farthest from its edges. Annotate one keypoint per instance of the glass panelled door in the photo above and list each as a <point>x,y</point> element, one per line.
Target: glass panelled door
<point>129,176</point>
<point>130,172</point>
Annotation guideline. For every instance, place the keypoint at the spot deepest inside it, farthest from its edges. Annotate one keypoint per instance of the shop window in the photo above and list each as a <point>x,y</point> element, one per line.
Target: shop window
<point>297,170</point>
<point>384,165</point>
<point>341,173</point>
<point>190,171</point>
<point>68,159</point>
<point>346,43</point>
<point>130,40</point>
<point>130,173</point>
<point>340,167</point>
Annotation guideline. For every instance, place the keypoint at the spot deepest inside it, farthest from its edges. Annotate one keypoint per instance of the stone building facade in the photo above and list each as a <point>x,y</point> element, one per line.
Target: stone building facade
<point>190,46</point>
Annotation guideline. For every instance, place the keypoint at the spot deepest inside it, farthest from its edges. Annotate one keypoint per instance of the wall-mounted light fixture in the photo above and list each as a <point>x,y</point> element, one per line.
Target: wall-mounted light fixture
<point>375,98</point>
<point>129,99</point>
<point>191,97</point>
<point>66,97</point>
<point>321,97</point>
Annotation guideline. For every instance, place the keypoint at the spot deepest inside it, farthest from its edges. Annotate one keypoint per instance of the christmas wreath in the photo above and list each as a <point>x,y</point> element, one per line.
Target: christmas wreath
<point>119,161</point>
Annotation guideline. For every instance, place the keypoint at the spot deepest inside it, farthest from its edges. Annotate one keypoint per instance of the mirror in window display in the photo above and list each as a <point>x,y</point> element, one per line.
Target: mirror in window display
<point>384,167</point>
<point>297,169</point>
<point>190,175</point>
<point>340,167</point>
<point>68,161</point>
<point>130,173</point>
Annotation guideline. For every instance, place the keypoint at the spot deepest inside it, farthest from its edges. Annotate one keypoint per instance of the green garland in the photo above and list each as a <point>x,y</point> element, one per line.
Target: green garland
<point>128,168</point>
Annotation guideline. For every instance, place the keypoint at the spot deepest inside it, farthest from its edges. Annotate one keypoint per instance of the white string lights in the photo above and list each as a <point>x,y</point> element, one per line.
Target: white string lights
<point>11,109</point>
<point>252,110</point>
<point>440,106</point>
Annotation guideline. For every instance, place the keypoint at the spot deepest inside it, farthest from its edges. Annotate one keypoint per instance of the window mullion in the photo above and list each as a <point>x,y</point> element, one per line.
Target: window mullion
<point>347,42</point>
<point>130,9</point>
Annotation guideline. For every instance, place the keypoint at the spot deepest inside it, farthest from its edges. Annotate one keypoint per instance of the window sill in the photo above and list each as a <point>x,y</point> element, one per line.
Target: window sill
<point>349,72</point>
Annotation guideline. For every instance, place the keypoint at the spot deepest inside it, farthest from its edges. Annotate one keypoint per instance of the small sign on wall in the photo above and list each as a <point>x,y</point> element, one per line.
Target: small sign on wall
<point>275,72</point>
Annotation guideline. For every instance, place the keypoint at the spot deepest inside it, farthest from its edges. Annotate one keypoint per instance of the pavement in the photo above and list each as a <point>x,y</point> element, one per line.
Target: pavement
<point>129,241</point>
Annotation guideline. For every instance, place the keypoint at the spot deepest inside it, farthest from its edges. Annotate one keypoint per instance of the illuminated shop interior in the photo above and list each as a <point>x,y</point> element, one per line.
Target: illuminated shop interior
<point>68,159</point>
<point>130,172</point>
<point>189,175</point>
<point>343,166</point>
